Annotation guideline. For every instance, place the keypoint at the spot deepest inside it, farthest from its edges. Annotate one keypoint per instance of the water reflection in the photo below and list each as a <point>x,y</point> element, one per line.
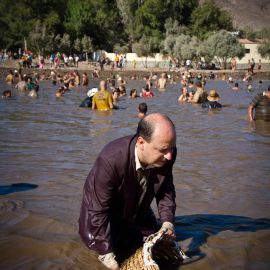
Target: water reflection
<point>260,127</point>
<point>222,169</point>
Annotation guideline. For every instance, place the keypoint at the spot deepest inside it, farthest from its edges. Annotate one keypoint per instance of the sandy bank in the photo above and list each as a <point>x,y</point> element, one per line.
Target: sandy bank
<point>127,72</point>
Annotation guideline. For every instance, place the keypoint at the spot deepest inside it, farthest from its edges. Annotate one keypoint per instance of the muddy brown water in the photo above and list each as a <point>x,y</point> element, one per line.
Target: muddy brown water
<point>222,177</point>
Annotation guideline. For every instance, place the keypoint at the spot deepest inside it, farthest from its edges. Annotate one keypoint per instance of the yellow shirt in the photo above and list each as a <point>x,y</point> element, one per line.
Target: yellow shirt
<point>9,79</point>
<point>102,100</point>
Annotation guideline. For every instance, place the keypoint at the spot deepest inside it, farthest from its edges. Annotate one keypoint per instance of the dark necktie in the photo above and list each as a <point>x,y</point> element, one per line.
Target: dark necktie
<point>142,178</point>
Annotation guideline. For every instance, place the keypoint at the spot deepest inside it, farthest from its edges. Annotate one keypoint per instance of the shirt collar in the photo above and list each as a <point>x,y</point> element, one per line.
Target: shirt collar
<point>138,163</point>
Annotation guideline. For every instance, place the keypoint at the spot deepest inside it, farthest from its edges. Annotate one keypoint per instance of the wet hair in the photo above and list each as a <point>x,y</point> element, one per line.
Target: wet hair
<point>268,87</point>
<point>122,89</point>
<point>198,84</point>
<point>132,91</point>
<point>6,93</point>
<point>236,84</point>
<point>143,108</point>
<point>146,128</point>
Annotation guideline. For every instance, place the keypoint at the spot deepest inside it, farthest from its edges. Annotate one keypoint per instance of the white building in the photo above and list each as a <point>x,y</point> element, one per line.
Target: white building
<point>251,52</point>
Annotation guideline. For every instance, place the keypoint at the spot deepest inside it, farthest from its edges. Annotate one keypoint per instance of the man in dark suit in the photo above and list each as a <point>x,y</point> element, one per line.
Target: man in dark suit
<point>127,175</point>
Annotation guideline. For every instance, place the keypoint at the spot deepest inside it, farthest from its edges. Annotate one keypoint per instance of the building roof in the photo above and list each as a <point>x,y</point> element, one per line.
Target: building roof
<point>246,41</point>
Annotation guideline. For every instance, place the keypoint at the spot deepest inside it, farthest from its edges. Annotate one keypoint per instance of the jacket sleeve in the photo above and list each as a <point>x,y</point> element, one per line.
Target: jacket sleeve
<point>94,221</point>
<point>165,197</point>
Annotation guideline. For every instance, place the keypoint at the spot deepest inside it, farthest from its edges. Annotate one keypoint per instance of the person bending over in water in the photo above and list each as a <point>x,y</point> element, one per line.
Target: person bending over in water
<point>200,94</point>
<point>102,100</point>
<point>212,99</point>
<point>142,110</point>
<point>127,176</point>
<point>261,105</point>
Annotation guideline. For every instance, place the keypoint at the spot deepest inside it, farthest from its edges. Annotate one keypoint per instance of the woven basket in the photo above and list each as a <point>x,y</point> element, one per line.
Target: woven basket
<point>136,262</point>
<point>143,258</point>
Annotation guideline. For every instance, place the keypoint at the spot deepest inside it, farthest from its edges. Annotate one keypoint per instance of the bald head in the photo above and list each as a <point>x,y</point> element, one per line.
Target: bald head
<point>155,123</point>
<point>103,85</point>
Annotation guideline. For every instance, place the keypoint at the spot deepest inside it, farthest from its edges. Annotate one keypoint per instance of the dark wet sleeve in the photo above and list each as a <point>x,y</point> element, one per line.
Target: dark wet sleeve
<point>94,221</point>
<point>165,197</point>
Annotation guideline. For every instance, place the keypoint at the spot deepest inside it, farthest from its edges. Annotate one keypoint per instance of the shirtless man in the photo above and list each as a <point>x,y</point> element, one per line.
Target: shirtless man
<point>162,81</point>
<point>22,84</point>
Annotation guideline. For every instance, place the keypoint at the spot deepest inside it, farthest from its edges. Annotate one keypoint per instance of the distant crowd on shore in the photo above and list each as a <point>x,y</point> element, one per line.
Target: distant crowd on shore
<point>61,60</point>
<point>112,89</point>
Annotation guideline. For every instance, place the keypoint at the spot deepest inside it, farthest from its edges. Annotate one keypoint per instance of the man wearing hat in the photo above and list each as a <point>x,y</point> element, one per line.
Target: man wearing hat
<point>212,99</point>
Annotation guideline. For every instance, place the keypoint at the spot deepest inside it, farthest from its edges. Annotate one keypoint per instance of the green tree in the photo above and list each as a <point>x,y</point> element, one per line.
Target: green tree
<point>149,19</point>
<point>172,27</point>
<point>264,48</point>
<point>87,45</point>
<point>186,47</point>
<point>208,17</point>
<point>77,45</point>
<point>181,10</point>
<point>248,33</point>
<point>173,30</point>
<point>222,47</point>
<point>117,48</point>
<point>145,47</point>
<point>189,48</point>
<point>65,43</point>
<point>40,41</point>
<point>15,25</point>
<point>98,19</point>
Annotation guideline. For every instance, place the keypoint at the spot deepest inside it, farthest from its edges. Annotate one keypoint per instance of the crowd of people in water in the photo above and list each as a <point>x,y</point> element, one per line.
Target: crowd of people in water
<point>110,90</point>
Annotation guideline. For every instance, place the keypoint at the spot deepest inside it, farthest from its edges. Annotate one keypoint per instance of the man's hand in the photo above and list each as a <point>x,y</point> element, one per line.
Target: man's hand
<point>109,261</point>
<point>170,229</point>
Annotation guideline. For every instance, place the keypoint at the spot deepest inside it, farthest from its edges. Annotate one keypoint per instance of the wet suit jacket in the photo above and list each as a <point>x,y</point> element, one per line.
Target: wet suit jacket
<point>110,195</point>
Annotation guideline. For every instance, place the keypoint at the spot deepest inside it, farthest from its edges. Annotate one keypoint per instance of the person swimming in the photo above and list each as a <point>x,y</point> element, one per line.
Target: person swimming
<point>133,94</point>
<point>142,110</point>
<point>235,87</point>
<point>6,94</point>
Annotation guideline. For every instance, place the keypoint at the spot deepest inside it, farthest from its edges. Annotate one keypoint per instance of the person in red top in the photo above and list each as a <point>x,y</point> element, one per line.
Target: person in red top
<point>147,93</point>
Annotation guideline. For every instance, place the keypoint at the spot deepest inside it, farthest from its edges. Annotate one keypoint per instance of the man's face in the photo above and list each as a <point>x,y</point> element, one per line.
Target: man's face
<point>159,149</point>
<point>102,85</point>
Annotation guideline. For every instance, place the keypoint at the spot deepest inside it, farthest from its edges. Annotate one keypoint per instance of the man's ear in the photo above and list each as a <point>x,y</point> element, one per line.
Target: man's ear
<point>140,143</point>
